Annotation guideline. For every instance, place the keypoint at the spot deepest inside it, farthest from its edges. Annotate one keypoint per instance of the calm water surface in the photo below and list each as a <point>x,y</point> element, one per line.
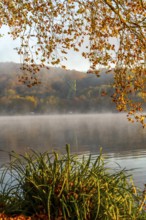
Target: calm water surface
<point>123,144</point>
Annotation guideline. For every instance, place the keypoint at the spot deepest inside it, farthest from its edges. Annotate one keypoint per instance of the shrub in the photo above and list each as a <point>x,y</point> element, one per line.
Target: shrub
<point>67,187</point>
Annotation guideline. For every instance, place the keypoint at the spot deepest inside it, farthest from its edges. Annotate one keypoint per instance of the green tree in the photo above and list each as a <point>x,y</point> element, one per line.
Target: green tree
<point>56,26</point>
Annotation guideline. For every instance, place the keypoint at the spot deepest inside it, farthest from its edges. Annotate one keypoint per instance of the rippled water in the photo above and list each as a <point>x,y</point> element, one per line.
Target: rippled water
<point>122,143</point>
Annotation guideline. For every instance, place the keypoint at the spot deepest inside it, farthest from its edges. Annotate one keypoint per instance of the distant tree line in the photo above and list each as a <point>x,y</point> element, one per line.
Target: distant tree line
<point>61,91</point>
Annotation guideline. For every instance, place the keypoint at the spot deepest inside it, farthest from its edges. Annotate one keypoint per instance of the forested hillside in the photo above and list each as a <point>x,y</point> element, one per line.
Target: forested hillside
<point>60,91</point>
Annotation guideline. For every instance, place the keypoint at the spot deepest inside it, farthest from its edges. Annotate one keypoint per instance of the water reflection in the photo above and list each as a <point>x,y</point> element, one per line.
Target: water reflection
<point>123,142</point>
<point>134,161</point>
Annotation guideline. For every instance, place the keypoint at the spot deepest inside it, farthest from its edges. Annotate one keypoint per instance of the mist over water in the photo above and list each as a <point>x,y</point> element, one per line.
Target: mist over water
<point>121,141</point>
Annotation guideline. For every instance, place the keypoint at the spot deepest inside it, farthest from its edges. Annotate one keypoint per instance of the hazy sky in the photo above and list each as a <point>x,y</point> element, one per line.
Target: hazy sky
<point>9,54</point>
<point>7,45</point>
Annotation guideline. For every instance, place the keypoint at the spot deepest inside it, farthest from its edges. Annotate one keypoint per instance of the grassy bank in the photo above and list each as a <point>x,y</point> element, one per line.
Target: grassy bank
<point>54,186</point>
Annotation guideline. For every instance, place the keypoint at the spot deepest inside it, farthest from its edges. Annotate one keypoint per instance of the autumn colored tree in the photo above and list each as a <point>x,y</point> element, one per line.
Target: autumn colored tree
<point>48,29</point>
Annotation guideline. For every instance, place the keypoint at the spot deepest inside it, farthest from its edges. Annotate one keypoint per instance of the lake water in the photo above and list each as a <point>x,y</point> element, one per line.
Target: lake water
<point>123,143</point>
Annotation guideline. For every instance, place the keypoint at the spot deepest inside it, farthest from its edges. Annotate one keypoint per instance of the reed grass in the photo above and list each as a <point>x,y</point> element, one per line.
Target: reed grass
<point>67,187</point>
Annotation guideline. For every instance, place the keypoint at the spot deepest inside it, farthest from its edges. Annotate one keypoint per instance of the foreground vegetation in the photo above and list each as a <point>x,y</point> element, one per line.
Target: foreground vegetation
<point>53,186</point>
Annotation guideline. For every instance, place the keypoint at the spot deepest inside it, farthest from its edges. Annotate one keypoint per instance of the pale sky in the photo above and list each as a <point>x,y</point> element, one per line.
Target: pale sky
<point>7,45</point>
<point>9,54</point>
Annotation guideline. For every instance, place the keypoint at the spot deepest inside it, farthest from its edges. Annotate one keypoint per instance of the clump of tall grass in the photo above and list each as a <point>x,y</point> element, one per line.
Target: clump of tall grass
<point>67,187</point>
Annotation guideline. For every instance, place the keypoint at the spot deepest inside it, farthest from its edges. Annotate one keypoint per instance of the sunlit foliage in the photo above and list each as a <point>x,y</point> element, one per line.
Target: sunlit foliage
<point>49,29</point>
